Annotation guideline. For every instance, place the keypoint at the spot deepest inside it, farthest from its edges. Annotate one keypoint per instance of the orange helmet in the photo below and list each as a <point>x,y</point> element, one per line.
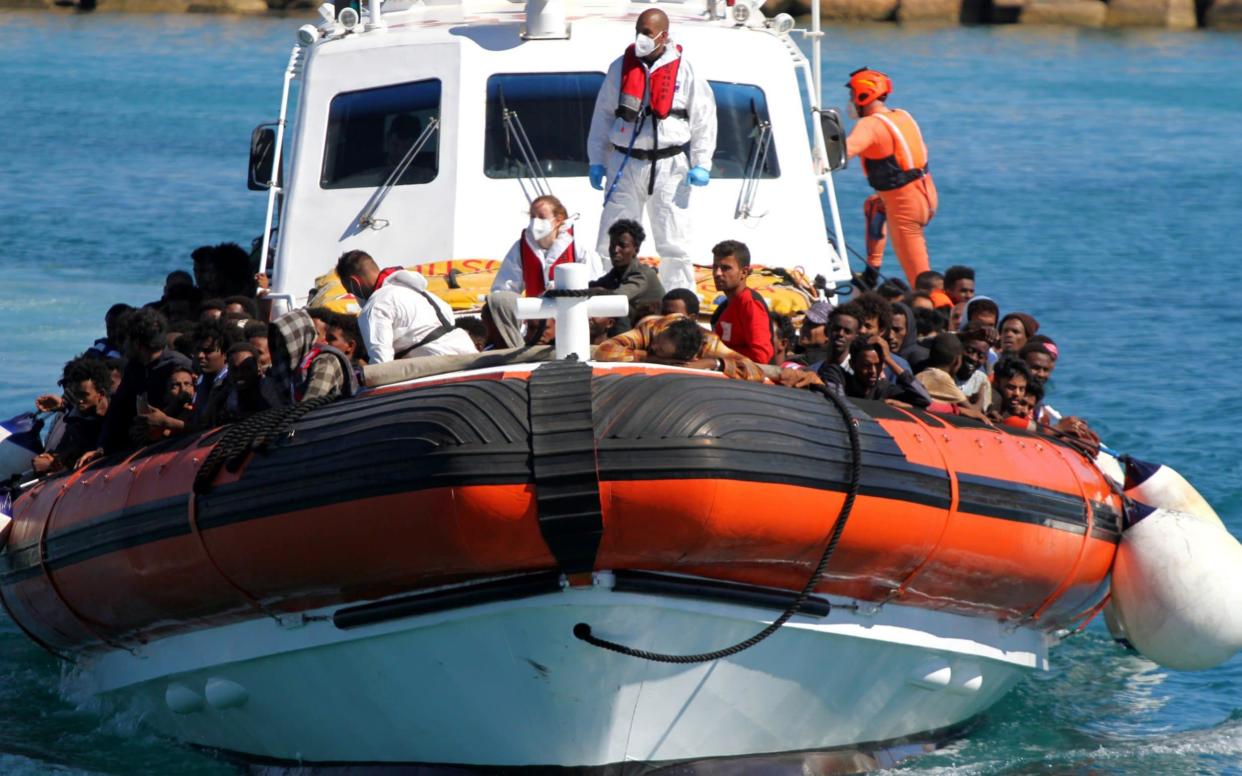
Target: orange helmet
<point>867,85</point>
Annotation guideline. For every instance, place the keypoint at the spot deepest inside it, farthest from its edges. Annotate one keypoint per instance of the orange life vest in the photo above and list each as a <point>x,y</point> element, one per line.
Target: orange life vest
<point>907,163</point>
<point>535,279</point>
<point>634,87</point>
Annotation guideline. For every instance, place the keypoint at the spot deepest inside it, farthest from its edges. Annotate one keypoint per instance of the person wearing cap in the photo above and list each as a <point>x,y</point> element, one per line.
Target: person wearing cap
<point>894,158</point>
<point>813,341</point>
<point>652,137</point>
<point>1015,330</point>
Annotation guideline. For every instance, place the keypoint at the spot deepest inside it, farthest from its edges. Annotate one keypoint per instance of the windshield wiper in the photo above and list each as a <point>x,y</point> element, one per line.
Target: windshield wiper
<point>367,219</point>
<point>515,134</point>
<point>757,164</point>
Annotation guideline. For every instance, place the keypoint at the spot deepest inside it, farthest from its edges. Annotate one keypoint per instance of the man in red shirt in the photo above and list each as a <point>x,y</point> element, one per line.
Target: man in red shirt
<point>742,320</point>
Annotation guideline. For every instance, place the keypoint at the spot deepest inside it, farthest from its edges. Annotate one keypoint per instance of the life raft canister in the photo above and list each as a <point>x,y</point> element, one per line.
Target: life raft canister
<point>533,275</point>
<point>634,83</point>
<point>907,163</point>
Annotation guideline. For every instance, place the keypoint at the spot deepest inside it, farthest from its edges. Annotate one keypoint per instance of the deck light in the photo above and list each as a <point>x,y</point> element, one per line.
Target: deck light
<point>307,34</point>
<point>349,18</point>
<point>782,23</point>
<point>741,12</point>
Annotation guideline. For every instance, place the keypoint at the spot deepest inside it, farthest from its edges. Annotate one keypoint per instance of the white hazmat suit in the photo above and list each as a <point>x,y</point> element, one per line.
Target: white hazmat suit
<point>402,314</point>
<point>668,205</point>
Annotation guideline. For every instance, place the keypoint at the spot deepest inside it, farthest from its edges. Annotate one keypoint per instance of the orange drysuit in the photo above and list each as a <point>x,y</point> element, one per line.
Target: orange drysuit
<point>895,162</point>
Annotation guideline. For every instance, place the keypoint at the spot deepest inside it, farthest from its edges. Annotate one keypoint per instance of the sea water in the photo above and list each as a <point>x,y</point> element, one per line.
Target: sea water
<point>1091,177</point>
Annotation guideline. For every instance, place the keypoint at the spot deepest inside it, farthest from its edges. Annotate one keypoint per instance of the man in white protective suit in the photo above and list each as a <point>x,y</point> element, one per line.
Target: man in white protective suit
<point>652,138</point>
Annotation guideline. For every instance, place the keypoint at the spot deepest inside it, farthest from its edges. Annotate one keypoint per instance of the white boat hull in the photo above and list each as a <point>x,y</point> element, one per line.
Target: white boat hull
<point>506,684</point>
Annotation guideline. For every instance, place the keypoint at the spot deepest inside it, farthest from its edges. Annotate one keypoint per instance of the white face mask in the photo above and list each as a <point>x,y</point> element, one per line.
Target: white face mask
<point>540,229</point>
<point>644,45</point>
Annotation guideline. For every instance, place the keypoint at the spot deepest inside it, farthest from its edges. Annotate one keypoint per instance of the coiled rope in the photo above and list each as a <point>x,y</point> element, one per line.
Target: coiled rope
<point>582,630</point>
<point>254,433</point>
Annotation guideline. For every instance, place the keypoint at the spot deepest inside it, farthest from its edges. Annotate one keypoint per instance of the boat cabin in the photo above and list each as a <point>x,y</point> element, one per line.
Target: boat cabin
<point>497,99</point>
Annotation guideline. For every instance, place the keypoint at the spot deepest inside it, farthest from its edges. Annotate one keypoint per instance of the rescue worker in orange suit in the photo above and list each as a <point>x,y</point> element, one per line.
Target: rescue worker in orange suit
<point>894,159</point>
<point>653,134</point>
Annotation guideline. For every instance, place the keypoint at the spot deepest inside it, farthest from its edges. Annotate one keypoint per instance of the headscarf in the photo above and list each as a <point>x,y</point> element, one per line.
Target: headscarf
<point>502,308</point>
<point>291,339</point>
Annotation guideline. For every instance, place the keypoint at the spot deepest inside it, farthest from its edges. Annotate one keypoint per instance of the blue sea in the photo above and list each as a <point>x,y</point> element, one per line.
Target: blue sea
<point>1091,177</point>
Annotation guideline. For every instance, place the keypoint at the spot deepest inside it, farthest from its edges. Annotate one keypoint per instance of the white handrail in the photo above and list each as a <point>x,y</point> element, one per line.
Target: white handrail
<point>819,152</point>
<point>273,188</point>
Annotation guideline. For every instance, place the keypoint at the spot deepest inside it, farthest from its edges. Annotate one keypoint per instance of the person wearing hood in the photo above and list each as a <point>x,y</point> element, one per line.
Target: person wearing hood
<point>652,138</point>
<point>399,318</point>
<point>547,241</point>
<point>903,336</point>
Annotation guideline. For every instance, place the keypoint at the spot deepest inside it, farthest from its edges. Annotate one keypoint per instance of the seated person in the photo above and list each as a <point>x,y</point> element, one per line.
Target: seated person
<point>256,334</point>
<point>399,318</point>
<point>86,382</point>
<point>1010,379</point>
<point>499,317</point>
<point>475,328</point>
<point>972,376</point>
<point>343,334</point>
<point>1015,330</point>
<point>868,359</point>
<point>944,361</point>
<point>813,341</point>
<point>178,414</point>
<point>637,345</point>
<point>548,240</point>
<point>903,336</point>
<point>639,283</point>
<point>742,320</point>
<point>145,380</point>
<point>680,301</point>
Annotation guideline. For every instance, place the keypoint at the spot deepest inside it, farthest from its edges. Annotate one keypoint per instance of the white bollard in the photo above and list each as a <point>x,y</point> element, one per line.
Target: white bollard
<point>573,313</point>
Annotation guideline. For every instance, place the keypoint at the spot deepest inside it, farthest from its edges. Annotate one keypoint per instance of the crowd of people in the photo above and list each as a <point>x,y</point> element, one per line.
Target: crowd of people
<point>202,355</point>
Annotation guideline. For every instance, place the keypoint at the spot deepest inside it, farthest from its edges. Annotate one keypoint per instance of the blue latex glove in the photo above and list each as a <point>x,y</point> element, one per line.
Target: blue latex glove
<point>597,173</point>
<point>698,176</point>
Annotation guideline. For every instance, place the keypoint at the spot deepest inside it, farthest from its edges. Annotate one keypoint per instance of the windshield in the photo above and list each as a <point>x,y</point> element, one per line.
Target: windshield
<point>740,108</point>
<point>369,132</point>
<point>555,111</point>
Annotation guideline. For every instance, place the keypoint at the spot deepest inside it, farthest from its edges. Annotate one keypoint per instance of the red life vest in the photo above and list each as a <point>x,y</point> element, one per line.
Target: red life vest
<point>383,275</point>
<point>634,87</point>
<point>533,276</point>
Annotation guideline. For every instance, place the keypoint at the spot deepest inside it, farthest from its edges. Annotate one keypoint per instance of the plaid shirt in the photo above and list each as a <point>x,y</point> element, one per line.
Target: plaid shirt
<point>626,347</point>
<point>291,338</point>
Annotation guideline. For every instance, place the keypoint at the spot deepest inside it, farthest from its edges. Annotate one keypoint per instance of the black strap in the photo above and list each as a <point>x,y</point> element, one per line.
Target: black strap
<point>663,153</point>
<point>562,444</point>
<point>445,326</point>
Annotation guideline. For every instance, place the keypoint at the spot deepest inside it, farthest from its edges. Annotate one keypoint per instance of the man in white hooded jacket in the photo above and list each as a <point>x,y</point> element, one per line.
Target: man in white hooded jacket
<point>400,318</point>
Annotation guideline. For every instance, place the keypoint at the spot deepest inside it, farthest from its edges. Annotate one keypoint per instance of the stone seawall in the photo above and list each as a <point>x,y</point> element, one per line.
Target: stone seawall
<point>1171,14</point>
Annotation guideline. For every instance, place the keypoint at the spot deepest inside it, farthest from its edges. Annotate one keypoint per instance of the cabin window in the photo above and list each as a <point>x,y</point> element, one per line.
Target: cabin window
<point>370,131</point>
<point>555,111</point>
<point>740,109</point>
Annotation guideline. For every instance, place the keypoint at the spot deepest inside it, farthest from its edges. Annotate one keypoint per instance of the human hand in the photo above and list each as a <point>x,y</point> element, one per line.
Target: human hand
<point>88,458</point>
<point>798,378</point>
<point>42,463</point>
<point>596,173</point>
<point>49,402</point>
<point>876,339</point>
<point>698,176</point>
